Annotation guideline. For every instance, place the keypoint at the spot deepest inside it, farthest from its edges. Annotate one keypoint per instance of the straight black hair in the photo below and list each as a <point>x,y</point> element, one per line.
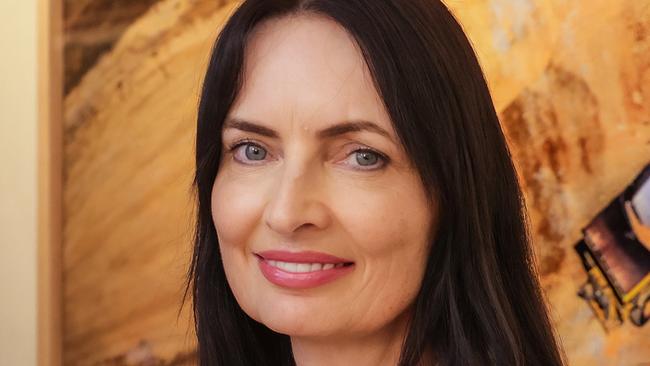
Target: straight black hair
<point>480,301</point>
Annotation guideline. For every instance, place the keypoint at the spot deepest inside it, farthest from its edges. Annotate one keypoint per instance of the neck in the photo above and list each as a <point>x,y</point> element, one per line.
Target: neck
<point>381,348</point>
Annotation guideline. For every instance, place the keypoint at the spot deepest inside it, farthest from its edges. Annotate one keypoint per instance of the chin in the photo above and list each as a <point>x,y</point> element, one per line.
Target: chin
<point>294,327</point>
<point>293,319</point>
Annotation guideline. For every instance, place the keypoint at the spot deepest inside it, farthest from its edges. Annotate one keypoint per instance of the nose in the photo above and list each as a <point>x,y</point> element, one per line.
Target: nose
<point>298,201</point>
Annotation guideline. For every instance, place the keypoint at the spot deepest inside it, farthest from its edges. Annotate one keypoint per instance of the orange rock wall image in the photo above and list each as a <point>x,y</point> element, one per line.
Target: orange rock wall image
<point>570,79</point>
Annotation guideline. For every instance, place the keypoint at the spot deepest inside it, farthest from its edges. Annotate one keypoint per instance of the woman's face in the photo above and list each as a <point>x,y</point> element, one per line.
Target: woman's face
<point>298,186</point>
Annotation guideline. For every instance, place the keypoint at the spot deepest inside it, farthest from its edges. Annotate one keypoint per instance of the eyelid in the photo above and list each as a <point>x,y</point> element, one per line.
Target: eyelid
<point>242,141</point>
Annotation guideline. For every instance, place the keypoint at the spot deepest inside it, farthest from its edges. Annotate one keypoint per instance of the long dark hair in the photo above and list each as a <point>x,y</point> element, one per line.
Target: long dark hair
<point>480,302</point>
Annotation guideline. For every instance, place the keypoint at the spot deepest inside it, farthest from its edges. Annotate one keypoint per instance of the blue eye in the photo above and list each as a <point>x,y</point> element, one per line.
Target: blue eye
<point>369,158</point>
<point>252,151</point>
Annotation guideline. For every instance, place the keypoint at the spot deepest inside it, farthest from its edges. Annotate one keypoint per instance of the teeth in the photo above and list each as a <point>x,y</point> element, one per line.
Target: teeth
<point>303,267</point>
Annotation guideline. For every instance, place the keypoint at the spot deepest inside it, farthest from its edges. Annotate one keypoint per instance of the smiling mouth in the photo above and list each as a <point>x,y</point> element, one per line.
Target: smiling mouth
<point>294,267</point>
<point>302,270</point>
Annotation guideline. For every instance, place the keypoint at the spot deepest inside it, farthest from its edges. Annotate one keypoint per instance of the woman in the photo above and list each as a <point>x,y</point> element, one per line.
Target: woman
<point>357,204</point>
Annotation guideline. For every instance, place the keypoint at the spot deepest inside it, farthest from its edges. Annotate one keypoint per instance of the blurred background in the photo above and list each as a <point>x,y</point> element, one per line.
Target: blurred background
<point>97,111</point>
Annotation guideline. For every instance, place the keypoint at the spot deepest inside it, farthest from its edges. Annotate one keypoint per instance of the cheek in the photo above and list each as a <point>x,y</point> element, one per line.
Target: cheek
<point>391,241</point>
<point>388,224</point>
<point>232,218</point>
<point>235,221</point>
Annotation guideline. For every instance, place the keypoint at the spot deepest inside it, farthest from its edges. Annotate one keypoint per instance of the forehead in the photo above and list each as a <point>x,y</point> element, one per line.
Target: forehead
<point>307,71</point>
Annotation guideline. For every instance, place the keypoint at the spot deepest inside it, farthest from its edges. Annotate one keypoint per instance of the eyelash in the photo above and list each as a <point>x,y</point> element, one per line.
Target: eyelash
<point>382,157</point>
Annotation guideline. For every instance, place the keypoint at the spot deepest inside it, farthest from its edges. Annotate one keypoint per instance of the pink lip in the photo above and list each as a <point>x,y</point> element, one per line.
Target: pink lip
<point>303,280</point>
<point>301,257</point>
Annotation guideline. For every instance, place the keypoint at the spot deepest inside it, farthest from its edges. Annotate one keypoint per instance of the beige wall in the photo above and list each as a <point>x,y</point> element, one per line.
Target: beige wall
<point>18,185</point>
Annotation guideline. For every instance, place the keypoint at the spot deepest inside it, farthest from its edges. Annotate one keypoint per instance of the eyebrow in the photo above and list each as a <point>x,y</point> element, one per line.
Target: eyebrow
<point>328,132</point>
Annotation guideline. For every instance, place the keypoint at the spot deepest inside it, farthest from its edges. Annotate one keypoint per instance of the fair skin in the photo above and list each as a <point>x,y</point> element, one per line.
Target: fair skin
<point>300,191</point>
